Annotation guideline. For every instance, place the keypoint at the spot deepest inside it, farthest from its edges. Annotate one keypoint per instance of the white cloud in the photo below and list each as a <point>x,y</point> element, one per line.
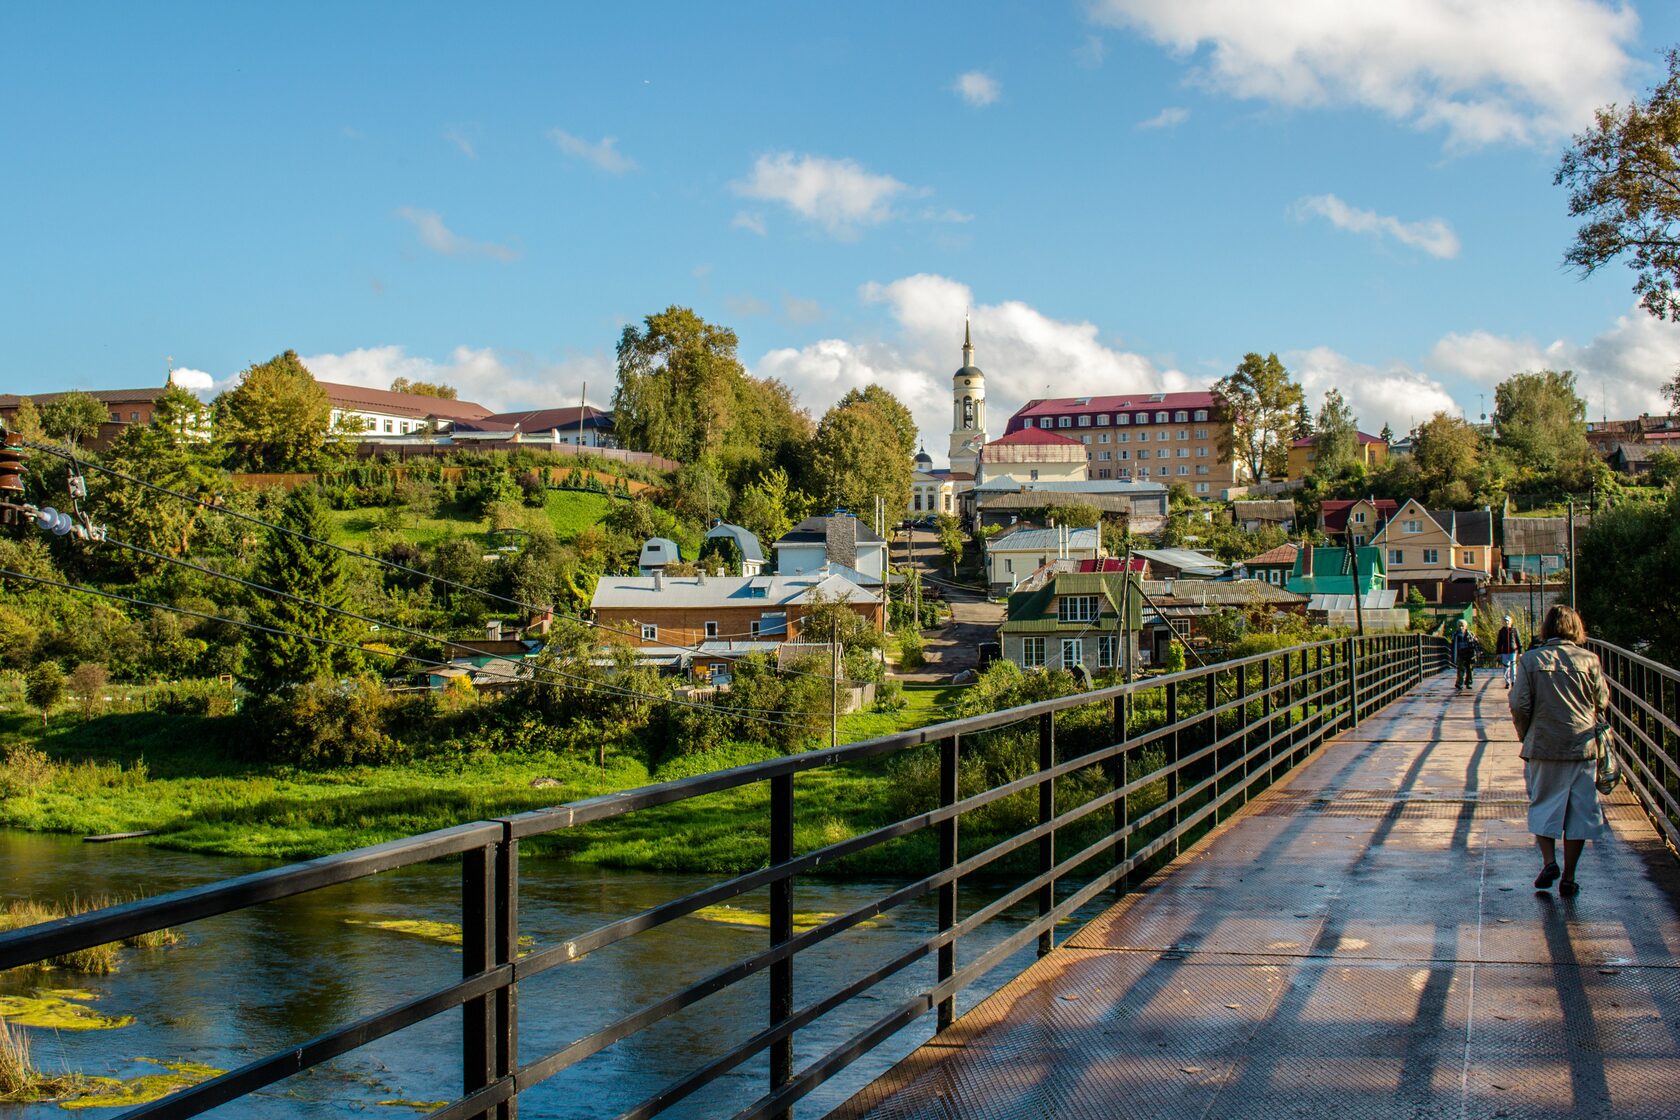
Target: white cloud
<point>1170,117</point>
<point>1485,71</point>
<point>602,154</point>
<point>1025,354</point>
<point>439,238</point>
<point>461,140</point>
<point>1621,371</point>
<point>1393,394</point>
<point>796,310</point>
<point>1433,235</point>
<point>837,194</point>
<point>752,223</point>
<point>498,381</point>
<point>977,87</point>
<point>194,381</point>
<point>1089,53</point>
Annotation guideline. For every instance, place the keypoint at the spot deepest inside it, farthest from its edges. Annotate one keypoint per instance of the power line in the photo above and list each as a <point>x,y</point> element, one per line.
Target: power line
<point>528,608</point>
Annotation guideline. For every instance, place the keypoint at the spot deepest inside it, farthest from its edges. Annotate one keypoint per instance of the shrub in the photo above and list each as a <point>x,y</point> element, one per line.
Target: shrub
<point>44,687</point>
<point>26,769</point>
<point>330,723</point>
<point>192,698</point>
<point>910,650</point>
<point>87,685</point>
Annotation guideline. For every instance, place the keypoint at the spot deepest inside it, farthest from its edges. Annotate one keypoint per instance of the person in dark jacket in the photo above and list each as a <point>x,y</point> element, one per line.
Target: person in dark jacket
<point>1557,704</point>
<point>1464,656</point>
<point>1508,647</point>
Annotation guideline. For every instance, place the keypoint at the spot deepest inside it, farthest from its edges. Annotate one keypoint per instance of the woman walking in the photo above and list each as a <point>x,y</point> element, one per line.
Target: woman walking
<point>1558,703</point>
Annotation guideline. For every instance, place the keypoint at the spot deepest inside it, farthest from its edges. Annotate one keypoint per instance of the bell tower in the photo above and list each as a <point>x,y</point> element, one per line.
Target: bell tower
<point>968,409</point>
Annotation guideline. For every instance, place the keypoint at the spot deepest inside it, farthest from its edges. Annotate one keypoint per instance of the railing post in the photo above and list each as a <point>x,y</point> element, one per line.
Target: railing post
<point>948,796</point>
<point>1120,775</point>
<point>1210,698</point>
<point>507,951</point>
<point>1350,652</point>
<point>478,1036</point>
<point>1267,708</point>
<point>1046,814</point>
<point>781,930</point>
<point>1173,754</point>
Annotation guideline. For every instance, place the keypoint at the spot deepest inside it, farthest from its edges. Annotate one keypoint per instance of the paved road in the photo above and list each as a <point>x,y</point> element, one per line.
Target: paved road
<point>1364,940</point>
<point>953,647</point>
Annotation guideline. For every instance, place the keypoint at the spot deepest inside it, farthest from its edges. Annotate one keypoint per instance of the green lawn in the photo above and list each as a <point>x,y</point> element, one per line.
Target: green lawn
<point>568,511</point>
<point>178,774</point>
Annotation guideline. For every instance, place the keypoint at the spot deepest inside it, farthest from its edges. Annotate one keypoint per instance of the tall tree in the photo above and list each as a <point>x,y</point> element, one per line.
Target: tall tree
<point>769,506</point>
<point>1260,401</point>
<point>677,379</point>
<point>1448,456</point>
<point>168,452</point>
<point>1387,433</point>
<point>275,662</point>
<point>74,416</point>
<point>277,418</point>
<point>1540,419</point>
<point>1335,437</point>
<point>1627,559</point>
<point>899,417</point>
<point>424,388</point>
<point>1623,178</point>
<point>1303,422</point>
<point>857,458</point>
<point>26,420</point>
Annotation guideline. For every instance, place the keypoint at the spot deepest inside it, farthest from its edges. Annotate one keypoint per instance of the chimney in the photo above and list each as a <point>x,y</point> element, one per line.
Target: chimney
<point>1306,559</point>
<point>700,577</point>
<point>658,580</point>
<point>841,533</point>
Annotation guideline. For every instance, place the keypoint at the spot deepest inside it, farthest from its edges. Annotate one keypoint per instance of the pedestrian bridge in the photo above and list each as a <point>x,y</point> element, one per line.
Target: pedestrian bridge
<point>1294,884</point>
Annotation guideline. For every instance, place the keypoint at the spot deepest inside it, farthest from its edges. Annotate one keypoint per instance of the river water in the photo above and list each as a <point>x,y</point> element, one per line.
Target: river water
<point>245,985</point>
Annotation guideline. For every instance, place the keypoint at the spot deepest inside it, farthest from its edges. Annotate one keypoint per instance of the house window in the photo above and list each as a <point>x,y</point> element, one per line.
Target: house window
<point>1035,474</point>
<point>1184,453</point>
<point>1431,556</point>
<point>1396,556</point>
<point>1181,416</point>
<point>1183,470</point>
<point>1143,472</point>
<point>947,503</point>
<point>1143,418</point>
<point>1184,433</point>
<point>1086,440</point>
<point>1076,608</point>
<point>1102,437</point>
<point>1121,419</point>
<point>650,632</point>
<point>1084,421</point>
<point>1160,418</point>
<point>1126,437</point>
<point>1103,473</point>
<point>1064,421</point>
<point>1201,433</point>
<point>1359,517</point>
<point>1073,652</point>
<point>1104,455</point>
<point>1143,454</point>
<point>752,629</point>
<point>1105,651</point>
<point>1008,566</point>
<point>1359,540</point>
<point>1413,526</point>
<point>1032,653</point>
<point>1201,468</point>
<point>1201,488</point>
<point>1469,559</point>
<point>918,502</point>
<point>1201,453</point>
<point>1102,419</point>
<point>1143,437</point>
<point>1201,414</point>
<point>711,629</point>
<point>134,418</point>
<point>1043,422</point>
<point>1122,454</point>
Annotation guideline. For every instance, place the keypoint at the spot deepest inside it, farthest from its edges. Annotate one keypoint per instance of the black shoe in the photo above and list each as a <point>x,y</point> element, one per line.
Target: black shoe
<point>1548,875</point>
<point>1569,888</point>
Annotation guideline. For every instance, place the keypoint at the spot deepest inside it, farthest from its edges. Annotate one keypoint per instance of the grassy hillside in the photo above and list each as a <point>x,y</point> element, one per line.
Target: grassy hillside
<point>568,512</point>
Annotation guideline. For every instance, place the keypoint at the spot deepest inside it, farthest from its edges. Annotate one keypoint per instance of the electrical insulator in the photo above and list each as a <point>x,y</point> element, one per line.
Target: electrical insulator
<point>78,486</point>
<point>11,471</point>
<point>50,520</point>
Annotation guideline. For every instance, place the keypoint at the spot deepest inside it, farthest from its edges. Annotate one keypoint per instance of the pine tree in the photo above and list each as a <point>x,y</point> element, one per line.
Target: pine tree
<point>308,570</point>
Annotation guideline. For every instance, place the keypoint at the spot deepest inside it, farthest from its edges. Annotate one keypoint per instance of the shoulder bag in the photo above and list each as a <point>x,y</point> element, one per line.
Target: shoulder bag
<point>1609,774</point>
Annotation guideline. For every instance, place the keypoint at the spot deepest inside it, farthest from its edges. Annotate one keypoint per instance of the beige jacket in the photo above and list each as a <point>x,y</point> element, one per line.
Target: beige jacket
<point>1557,701</point>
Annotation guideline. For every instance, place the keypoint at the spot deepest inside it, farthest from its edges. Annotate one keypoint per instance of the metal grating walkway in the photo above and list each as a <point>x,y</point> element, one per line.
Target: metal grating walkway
<point>1363,941</point>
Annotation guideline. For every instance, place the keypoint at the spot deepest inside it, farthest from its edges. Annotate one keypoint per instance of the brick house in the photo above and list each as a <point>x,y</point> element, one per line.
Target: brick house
<point>665,614</point>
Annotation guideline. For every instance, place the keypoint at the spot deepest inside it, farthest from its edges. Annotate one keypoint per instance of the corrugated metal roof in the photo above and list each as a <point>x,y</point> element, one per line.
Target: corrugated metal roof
<point>630,592</point>
<point>744,539</point>
<point>1030,540</point>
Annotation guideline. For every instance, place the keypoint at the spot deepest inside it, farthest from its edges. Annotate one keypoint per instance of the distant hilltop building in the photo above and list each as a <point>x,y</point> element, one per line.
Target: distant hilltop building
<point>1152,437</point>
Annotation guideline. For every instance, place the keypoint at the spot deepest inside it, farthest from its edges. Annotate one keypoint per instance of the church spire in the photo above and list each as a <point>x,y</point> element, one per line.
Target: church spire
<point>968,343</point>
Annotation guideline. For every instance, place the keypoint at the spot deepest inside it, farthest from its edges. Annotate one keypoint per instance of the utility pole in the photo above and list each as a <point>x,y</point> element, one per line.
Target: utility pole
<point>834,701</point>
<point>1571,553</point>
<point>1126,613</point>
<point>583,406</point>
<point>1358,589</point>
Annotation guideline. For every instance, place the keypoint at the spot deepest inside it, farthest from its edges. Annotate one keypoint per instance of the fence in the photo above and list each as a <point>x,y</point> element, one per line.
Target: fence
<point>1645,712</point>
<point>1171,756</point>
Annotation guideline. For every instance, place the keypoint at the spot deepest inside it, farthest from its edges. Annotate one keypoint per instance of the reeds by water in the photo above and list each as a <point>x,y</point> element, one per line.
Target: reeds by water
<point>98,960</point>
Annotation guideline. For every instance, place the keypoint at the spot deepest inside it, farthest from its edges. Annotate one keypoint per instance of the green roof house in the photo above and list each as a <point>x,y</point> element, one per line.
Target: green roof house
<point>1065,618</point>
<point>1328,571</point>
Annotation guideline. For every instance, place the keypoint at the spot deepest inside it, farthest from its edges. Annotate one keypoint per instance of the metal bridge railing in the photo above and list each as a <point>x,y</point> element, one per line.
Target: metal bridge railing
<point>1645,713</point>
<point>1224,731</point>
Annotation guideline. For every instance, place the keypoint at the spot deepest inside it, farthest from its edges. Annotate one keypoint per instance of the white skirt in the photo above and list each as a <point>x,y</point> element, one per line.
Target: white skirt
<point>1562,800</point>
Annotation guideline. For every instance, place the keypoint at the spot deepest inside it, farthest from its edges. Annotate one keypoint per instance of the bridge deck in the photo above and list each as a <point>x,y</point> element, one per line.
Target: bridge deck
<point>1363,940</point>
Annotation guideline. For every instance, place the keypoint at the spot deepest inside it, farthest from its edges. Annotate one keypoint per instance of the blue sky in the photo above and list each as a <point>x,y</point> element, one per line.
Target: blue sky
<point>1129,194</point>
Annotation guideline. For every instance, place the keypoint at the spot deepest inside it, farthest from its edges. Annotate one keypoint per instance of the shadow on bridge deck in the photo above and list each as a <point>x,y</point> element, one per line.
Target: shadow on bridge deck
<point>1363,941</point>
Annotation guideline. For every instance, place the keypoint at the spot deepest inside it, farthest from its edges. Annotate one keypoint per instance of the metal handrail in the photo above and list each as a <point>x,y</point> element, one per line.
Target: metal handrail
<point>1645,714</point>
<point>1217,750</point>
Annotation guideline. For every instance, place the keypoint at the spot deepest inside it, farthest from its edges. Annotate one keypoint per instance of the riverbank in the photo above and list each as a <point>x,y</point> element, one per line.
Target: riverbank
<point>141,771</point>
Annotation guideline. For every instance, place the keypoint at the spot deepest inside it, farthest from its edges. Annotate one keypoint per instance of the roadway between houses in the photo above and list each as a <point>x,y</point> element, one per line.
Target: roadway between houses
<point>1363,940</point>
